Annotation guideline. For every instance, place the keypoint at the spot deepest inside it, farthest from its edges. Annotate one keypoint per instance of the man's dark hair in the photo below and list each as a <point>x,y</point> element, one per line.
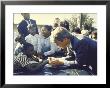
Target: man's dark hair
<point>60,33</point>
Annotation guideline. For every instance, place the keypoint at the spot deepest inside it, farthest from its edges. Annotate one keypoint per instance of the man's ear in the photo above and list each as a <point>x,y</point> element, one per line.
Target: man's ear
<point>67,40</point>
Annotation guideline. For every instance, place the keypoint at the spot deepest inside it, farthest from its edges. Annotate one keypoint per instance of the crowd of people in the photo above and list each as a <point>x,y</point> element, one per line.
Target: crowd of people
<point>54,45</point>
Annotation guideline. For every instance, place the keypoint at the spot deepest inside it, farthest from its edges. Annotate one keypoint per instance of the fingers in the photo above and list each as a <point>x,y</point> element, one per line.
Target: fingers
<point>54,61</point>
<point>49,60</point>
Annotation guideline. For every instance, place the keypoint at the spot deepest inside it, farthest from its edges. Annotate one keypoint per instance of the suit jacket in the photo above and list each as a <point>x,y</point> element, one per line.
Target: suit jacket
<point>22,27</point>
<point>86,51</point>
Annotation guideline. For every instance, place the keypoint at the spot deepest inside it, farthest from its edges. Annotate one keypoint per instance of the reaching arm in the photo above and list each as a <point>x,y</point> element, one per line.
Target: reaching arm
<point>52,51</point>
<point>60,61</point>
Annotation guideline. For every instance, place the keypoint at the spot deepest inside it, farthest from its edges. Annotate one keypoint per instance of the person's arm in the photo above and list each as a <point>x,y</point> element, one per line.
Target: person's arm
<point>69,63</point>
<point>20,27</point>
<point>18,48</point>
<point>52,51</point>
<point>82,52</point>
<point>66,62</point>
<point>61,61</point>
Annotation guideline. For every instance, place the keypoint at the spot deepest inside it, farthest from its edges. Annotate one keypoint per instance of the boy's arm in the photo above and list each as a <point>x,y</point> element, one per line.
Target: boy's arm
<point>52,51</point>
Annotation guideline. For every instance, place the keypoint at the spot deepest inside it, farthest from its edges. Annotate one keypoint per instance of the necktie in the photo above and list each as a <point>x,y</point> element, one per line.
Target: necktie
<point>28,24</point>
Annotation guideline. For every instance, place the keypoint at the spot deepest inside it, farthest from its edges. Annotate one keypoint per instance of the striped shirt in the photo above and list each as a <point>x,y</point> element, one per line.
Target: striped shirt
<point>22,59</point>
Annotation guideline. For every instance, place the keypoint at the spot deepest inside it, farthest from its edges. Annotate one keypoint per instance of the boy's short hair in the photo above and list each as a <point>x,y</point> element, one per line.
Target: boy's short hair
<point>59,34</point>
<point>48,27</point>
<point>27,45</point>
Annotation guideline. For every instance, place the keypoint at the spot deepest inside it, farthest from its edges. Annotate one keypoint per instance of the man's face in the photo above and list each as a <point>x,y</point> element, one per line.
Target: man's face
<point>63,44</point>
<point>26,15</point>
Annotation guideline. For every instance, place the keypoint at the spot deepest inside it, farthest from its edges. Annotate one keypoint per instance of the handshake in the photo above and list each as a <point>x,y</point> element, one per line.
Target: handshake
<point>55,61</point>
<point>51,60</point>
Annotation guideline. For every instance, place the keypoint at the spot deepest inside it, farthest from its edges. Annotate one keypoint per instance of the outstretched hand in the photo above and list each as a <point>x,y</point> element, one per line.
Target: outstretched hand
<point>55,61</point>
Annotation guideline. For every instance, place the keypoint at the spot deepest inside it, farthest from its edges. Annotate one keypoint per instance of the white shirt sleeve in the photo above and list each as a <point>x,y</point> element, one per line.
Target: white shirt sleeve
<point>66,62</point>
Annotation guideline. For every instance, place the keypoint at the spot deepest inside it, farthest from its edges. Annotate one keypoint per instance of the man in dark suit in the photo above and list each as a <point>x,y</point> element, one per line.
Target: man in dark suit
<point>85,49</point>
<point>24,25</point>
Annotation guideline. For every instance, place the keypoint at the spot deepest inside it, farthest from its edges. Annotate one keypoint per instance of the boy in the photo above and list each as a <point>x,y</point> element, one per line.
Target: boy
<point>45,47</point>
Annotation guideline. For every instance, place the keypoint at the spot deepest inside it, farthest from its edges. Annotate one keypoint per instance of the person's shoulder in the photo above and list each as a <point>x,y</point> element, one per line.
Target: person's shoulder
<point>40,38</point>
<point>28,36</point>
<point>48,38</point>
<point>89,41</point>
<point>36,35</point>
<point>22,23</point>
<point>79,36</point>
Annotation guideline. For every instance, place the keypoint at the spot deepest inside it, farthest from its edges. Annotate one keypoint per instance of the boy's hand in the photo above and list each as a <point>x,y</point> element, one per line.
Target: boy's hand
<point>41,56</point>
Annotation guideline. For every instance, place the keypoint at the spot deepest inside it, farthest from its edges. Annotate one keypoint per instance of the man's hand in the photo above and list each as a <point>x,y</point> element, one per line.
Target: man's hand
<point>55,61</point>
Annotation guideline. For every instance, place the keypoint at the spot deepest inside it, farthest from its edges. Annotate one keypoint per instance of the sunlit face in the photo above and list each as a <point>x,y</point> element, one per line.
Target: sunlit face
<point>45,32</point>
<point>63,44</point>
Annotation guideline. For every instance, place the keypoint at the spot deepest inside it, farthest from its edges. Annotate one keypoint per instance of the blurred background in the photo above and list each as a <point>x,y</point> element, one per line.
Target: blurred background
<point>75,20</point>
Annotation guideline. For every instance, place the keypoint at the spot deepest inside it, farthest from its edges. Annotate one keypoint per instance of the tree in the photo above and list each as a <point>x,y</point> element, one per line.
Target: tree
<point>72,23</point>
<point>84,21</point>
